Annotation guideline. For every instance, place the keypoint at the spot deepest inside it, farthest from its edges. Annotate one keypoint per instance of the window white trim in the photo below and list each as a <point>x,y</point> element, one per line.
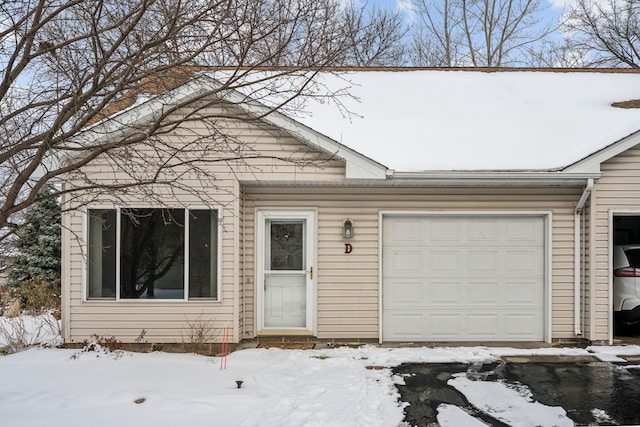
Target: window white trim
<point>118,234</point>
<point>85,249</point>
<point>187,246</point>
<point>118,209</point>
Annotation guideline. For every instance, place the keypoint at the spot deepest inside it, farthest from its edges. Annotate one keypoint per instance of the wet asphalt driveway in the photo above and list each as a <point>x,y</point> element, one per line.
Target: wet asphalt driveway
<point>577,387</point>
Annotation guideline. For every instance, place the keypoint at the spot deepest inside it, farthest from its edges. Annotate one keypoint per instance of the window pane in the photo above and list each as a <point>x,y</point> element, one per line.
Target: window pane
<point>102,254</point>
<point>152,253</point>
<point>203,254</point>
<point>286,244</point>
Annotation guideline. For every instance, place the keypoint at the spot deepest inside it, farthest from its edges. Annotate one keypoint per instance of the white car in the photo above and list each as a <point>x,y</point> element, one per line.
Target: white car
<point>626,284</point>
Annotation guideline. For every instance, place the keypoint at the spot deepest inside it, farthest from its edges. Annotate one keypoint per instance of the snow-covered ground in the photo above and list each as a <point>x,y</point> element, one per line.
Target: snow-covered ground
<point>337,387</point>
<point>17,332</point>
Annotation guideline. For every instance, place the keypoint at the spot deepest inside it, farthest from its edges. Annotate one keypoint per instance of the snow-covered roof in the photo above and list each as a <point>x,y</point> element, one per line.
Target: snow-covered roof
<point>468,120</point>
<point>441,124</point>
<point>203,84</point>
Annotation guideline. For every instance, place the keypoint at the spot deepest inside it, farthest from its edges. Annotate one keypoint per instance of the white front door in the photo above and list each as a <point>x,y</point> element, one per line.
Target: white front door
<point>286,242</point>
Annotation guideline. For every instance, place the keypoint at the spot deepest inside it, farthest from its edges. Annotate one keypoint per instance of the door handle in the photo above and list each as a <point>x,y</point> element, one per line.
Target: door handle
<point>311,272</point>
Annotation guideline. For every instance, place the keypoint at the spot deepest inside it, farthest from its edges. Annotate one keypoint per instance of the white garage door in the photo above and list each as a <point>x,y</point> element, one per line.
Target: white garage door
<point>463,278</point>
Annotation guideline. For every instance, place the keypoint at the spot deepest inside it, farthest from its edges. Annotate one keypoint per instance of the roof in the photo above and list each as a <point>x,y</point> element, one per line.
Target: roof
<point>474,120</point>
<point>460,125</point>
<point>203,85</point>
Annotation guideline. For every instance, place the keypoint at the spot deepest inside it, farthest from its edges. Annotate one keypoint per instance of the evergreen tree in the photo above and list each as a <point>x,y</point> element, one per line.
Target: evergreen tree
<point>38,243</point>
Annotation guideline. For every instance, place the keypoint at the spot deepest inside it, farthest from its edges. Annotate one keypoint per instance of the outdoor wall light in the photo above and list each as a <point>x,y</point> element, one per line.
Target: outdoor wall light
<point>347,229</point>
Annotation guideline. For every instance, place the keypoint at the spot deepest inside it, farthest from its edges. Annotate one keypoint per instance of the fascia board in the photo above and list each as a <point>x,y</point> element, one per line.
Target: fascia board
<point>120,123</point>
<point>591,163</point>
<point>493,178</point>
<point>476,179</point>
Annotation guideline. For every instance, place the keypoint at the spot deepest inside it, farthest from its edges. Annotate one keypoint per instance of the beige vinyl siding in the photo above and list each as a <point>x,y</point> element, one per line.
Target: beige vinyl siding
<point>617,190</point>
<point>347,284</point>
<point>268,155</point>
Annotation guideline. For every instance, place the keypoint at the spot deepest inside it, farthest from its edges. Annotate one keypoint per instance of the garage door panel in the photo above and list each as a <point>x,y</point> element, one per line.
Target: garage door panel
<point>482,262</point>
<point>484,326</point>
<point>524,261</point>
<point>465,278</point>
<point>483,231</point>
<point>407,294</point>
<point>445,326</point>
<point>523,230</point>
<point>484,293</point>
<point>445,230</point>
<point>406,326</point>
<point>409,230</point>
<point>446,292</point>
<point>406,262</point>
<point>523,293</point>
<point>445,261</point>
<point>523,326</point>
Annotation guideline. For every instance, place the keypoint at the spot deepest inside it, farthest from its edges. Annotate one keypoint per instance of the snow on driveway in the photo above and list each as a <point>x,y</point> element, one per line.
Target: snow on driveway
<point>337,387</point>
<point>508,404</point>
<point>453,416</point>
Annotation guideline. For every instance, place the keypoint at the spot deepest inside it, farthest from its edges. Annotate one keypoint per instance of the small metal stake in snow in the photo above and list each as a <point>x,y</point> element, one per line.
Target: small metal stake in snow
<point>225,349</point>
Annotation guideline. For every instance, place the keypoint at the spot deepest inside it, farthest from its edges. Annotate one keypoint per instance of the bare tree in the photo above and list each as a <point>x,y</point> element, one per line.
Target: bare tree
<point>67,64</point>
<point>437,37</point>
<point>370,35</point>
<point>607,34</point>
<point>478,33</point>
<point>376,37</point>
<point>557,54</point>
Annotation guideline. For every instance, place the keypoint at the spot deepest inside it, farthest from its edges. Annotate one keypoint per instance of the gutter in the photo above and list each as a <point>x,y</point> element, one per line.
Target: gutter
<point>543,178</point>
<point>576,255</point>
<point>448,179</point>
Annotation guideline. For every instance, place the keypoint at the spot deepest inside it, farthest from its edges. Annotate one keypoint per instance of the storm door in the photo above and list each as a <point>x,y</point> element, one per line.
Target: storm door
<point>287,269</point>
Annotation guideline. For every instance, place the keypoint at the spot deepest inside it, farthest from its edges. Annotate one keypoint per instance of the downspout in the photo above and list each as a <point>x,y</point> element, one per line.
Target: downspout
<point>576,256</point>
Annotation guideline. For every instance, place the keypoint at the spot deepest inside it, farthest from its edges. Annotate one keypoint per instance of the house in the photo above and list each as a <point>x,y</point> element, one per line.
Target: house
<point>448,205</point>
